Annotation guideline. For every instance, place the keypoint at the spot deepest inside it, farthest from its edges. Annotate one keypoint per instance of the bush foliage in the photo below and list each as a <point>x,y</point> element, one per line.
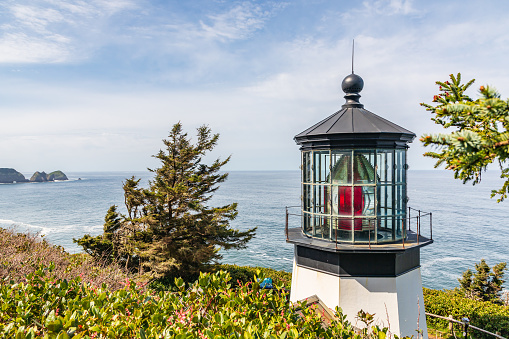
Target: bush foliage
<point>239,275</point>
<point>482,314</point>
<point>45,291</point>
<point>41,307</point>
<point>484,284</point>
<point>245,274</point>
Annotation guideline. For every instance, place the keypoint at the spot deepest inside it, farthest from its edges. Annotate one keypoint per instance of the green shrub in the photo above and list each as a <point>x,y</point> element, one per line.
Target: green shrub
<point>245,274</point>
<point>482,314</point>
<point>41,307</point>
<point>242,274</point>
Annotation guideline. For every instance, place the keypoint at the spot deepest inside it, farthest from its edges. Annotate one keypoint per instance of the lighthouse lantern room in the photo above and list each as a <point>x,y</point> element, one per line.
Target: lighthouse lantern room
<point>355,247</point>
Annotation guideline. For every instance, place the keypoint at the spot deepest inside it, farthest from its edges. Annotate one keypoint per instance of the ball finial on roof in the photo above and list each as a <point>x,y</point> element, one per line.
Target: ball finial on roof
<point>352,84</point>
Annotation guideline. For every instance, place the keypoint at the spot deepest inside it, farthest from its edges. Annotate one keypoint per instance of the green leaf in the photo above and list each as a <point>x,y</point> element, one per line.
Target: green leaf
<point>95,328</point>
<point>294,333</point>
<point>63,335</point>
<point>55,326</point>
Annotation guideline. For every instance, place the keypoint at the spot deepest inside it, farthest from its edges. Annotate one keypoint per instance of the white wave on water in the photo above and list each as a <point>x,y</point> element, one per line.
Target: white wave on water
<point>440,260</point>
<point>432,270</point>
<point>44,230</point>
<point>428,264</point>
<point>17,225</point>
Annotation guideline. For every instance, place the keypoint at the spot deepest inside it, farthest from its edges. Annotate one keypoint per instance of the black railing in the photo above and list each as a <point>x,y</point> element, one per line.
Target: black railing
<point>419,222</point>
<point>287,215</point>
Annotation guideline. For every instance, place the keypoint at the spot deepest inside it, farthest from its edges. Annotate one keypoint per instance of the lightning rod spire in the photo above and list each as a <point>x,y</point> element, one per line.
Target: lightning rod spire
<point>353,49</point>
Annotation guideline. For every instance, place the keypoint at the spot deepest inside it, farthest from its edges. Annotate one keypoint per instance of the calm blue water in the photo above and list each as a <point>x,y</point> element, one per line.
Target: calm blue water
<point>468,225</point>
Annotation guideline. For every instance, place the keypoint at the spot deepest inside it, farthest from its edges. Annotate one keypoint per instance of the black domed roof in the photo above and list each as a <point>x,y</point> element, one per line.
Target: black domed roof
<point>354,126</point>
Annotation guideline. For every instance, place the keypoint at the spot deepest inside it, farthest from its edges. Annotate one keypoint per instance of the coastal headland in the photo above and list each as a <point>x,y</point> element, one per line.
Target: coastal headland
<point>10,175</point>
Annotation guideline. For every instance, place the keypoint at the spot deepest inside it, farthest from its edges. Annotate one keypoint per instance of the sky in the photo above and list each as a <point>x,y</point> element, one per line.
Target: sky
<point>96,85</point>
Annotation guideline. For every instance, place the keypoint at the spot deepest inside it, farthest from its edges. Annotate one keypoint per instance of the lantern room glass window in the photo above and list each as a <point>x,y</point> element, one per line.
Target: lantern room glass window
<point>356,196</point>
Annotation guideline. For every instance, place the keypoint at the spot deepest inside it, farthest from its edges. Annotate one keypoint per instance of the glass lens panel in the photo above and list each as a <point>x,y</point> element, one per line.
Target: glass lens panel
<point>364,167</point>
<point>353,200</point>
<point>385,231</point>
<point>405,166</point>
<point>316,227</point>
<point>365,229</point>
<point>381,227</point>
<point>322,227</point>
<point>342,197</point>
<point>367,200</point>
<point>322,196</point>
<point>306,166</point>
<point>341,167</point>
<point>384,162</point>
<point>398,229</point>
<point>306,224</point>
<point>385,201</point>
<point>307,197</point>
<point>321,166</point>
<point>342,229</point>
<point>399,165</point>
<point>400,200</point>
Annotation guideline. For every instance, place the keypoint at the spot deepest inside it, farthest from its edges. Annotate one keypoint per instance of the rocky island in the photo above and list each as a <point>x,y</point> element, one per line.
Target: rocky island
<point>42,176</point>
<point>10,175</point>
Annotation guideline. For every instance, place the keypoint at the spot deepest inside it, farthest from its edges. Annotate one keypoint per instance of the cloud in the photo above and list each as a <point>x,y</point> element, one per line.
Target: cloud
<point>52,31</point>
<point>22,48</point>
<point>237,23</point>
<point>36,19</point>
<point>74,30</point>
<point>389,7</point>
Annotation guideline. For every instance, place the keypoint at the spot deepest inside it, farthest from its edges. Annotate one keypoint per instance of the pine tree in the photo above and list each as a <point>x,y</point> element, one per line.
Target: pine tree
<point>484,284</point>
<point>108,245</point>
<point>169,228</point>
<point>102,244</point>
<point>481,134</point>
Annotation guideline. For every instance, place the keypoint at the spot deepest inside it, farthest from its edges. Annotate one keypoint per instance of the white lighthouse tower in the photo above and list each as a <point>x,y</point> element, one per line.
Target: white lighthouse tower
<point>355,248</point>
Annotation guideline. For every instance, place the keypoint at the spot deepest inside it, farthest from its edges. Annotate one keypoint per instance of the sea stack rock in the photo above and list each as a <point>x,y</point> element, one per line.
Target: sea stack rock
<point>57,175</point>
<point>43,177</point>
<point>39,177</point>
<point>10,175</point>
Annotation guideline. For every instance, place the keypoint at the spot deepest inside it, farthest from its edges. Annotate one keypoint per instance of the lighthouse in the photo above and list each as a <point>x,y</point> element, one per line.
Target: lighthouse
<point>358,246</point>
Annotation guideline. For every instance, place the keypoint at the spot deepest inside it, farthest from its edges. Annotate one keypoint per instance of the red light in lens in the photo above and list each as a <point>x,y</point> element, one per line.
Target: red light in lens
<point>345,206</point>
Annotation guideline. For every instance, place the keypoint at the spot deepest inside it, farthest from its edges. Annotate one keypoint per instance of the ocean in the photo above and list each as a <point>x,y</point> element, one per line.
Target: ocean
<point>467,225</point>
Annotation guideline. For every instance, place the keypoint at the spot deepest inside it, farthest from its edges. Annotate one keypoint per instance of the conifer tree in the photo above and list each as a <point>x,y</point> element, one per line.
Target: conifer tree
<point>480,133</point>
<point>111,245</point>
<point>484,284</point>
<point>169,228</point>
<point>96,246</point>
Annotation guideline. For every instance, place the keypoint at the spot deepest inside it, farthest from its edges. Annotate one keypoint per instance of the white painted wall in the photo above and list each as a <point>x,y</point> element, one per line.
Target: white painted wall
<point>396,302</point>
